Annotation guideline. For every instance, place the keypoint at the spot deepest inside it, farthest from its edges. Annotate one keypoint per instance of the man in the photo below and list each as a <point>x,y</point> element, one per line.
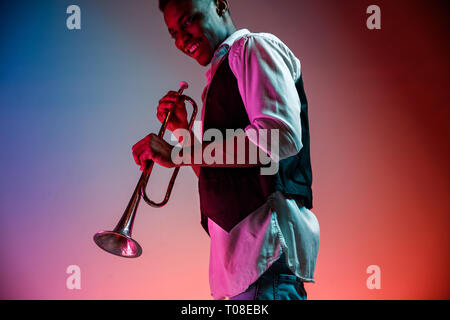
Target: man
<point>264,238</point>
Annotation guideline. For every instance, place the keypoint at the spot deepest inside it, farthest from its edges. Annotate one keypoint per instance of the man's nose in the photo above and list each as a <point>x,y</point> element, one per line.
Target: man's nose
<point>183,39</point>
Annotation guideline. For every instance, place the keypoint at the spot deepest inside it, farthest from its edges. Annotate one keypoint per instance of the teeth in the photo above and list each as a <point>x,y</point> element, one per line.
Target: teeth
<point>192,48</point>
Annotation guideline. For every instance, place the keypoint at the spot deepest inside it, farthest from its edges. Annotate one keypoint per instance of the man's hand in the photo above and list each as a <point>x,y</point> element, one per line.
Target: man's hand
<point>153,148</point>
<point>173,101</point>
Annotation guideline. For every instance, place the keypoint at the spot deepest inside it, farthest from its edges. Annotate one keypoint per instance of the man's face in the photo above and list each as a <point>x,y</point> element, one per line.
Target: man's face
<point>196,28</point>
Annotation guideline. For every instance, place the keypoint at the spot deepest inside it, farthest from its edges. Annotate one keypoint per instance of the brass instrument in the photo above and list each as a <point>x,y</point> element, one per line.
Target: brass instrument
<point>119,241</point>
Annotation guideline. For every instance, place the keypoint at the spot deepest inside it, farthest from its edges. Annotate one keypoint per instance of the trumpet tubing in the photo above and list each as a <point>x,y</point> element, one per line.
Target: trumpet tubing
<point>119,241</point>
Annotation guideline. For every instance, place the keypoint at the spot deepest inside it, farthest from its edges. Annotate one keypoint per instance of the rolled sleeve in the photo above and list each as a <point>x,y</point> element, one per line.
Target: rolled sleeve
<point>266,71</point>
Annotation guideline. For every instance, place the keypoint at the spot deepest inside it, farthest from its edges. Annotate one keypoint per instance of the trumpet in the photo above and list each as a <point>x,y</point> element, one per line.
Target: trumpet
<point>119,241</point>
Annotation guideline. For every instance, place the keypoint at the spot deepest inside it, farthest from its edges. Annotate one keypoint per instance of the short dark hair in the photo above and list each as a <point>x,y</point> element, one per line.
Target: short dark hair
<point>163,4</point>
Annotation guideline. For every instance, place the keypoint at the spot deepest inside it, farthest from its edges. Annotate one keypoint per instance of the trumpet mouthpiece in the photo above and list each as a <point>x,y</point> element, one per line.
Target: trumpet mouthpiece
<point>183,85</point>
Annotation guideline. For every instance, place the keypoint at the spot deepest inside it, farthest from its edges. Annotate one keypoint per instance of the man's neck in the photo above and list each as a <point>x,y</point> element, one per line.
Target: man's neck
<point>230,29</point>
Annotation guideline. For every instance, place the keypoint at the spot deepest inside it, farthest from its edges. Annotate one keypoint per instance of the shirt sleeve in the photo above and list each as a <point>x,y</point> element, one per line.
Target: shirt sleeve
<point>266,71</point>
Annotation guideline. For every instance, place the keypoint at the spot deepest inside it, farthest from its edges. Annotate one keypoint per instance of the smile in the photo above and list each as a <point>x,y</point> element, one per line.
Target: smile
<point>192,47</point>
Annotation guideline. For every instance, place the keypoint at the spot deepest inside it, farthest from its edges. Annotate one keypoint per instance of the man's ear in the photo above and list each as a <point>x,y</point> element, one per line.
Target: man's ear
<point>222,7</point>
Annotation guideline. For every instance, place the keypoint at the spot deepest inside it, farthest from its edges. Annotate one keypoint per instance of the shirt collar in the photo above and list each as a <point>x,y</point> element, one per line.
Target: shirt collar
<point>223,49</point>
<point>233,37</point>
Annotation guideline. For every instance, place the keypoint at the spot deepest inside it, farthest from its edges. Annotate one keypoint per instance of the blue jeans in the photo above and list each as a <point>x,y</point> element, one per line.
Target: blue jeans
<point>277,283</point>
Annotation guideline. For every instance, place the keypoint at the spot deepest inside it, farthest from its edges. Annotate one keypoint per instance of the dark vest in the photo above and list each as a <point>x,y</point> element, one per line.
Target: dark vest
<point>228,195</point>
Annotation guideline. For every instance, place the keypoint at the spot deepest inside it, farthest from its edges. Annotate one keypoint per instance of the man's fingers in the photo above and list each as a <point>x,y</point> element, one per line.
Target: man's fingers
<point>160,116</point>
<point>143,157</point>
<point>140,157</point>
<point>169,104</point>
<point>140,148</point>
<point>171,96</point>
<point>137,156</point>
<point>136,151</point>
<point>165,107</point>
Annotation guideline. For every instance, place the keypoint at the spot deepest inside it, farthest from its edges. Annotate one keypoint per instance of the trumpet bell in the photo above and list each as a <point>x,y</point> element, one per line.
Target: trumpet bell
<point>117,243</point>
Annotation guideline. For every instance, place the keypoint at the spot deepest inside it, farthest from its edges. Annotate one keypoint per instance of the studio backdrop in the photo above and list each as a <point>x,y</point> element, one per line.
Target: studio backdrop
<point>77,94</point>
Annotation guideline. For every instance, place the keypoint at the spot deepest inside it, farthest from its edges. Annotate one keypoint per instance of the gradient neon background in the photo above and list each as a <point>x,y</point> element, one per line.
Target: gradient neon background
<point>74,102</point>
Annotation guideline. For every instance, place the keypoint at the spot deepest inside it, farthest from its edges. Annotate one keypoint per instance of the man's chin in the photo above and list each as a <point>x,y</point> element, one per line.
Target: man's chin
<point>203,61</point>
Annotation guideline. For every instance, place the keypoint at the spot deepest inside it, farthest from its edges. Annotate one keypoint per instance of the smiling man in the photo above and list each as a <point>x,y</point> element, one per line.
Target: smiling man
<point>264,237</point>
<point>206,31</point>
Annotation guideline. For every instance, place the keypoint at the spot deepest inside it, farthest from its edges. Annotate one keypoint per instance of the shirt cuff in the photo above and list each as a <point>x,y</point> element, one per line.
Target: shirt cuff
<point>277,142</point>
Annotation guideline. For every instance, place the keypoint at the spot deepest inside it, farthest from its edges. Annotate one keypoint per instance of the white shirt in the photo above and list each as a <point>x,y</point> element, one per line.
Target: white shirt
<point>266,71</point>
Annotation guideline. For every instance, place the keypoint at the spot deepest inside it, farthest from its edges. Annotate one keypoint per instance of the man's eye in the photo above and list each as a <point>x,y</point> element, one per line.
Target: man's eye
<point>187,22</point>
